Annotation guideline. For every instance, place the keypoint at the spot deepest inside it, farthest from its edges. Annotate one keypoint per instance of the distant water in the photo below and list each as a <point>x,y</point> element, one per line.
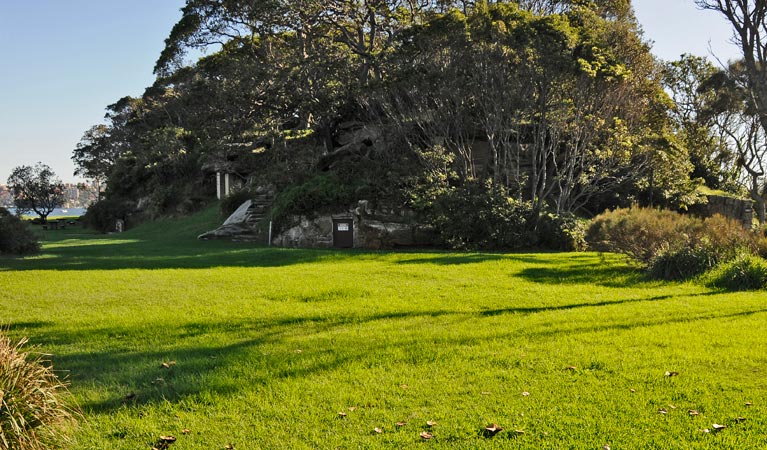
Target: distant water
<point>58,212</point>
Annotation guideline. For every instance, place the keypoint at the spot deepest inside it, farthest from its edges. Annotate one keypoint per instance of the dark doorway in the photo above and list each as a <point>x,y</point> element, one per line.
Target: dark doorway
<point>343,233</point>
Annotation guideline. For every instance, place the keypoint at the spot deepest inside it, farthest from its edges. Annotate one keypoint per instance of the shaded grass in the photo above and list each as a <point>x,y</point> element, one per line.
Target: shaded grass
<point>270,344</point>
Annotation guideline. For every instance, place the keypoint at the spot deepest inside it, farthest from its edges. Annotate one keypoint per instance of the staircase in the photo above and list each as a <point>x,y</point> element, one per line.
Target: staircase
<point>259,208</point>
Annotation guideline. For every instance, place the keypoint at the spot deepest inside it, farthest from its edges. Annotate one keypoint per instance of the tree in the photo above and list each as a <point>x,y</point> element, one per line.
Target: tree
<point>749,21</point>
<point>687,81</point>
<point>37,189</point>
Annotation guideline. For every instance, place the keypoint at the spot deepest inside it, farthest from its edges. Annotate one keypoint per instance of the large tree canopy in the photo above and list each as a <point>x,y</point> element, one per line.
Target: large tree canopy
<point>558,103</point>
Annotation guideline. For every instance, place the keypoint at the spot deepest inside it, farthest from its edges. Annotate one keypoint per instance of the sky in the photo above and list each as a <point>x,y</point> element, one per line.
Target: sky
<point>63,61</point>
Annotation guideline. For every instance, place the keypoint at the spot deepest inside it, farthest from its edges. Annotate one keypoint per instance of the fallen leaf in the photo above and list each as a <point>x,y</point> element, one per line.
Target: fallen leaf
<point>519,432</point>
<point>525,394</point>
<point>605,447</point>
<point>632,390</point>
<point>341,414</point>
<point>672,406</point>
<point>168,438</point>
<point>430,423</point>
<point>377,430</point>
<point>229,447</point>
<point>748,403</point>
<point>740,419</point>
<point>706,430</point>
<point>401,424</point>
<point>186,431</point>
<point>426,435</point>
<point>671,374</point>
<point>573,368</point>
<point>169,364</point>
<point>694,412</point>
<point>718,427</point>
<point>492,429</point>
<point>352,408</point>
<point>663,411</point>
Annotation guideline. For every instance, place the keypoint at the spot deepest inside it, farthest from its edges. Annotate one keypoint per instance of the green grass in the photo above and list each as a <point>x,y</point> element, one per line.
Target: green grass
<point>270,345</point>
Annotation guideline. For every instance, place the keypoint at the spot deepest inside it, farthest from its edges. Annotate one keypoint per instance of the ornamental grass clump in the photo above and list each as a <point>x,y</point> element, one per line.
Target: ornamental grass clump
<point>34,414</point>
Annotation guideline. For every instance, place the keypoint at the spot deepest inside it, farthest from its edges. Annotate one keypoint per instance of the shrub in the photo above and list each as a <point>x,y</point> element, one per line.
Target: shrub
<point>744,273</point>
<point>33,411</point>
<point>231,202</point>
<point>322,193</point>
<point>103,214</point>
<point>672,246</point>
<point>16,237</point>
<point>480,216</point>
<point>682,264</point>
<point>641,233</point>
<point>561,232</point>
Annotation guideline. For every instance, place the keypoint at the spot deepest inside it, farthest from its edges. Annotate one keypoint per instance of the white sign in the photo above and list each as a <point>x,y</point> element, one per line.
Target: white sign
<point>343,226</point>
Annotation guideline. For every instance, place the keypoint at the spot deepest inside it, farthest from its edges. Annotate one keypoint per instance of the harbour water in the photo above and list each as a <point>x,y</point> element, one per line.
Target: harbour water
<point>58,212</point>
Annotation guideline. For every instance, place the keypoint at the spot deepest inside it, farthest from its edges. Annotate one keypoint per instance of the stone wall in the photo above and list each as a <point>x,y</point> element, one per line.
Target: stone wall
<point>384,227</point>
<point>738,209</point>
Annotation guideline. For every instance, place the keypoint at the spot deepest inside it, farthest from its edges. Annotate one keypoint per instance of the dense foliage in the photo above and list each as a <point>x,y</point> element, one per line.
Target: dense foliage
<point>670,245</point>
<point>558,105</point>
<point>16,236</point>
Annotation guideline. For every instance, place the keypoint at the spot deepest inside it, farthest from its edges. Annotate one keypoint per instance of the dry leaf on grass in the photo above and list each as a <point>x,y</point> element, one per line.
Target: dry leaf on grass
<point>401,424</point>
<point>525,394</point>
<point>431,423</point>
<point>377,430</point>
<point>694,412</point>
<point>491,430</point>
<point>426,435</point>
<point>671,374</point>
<point>718,427</point>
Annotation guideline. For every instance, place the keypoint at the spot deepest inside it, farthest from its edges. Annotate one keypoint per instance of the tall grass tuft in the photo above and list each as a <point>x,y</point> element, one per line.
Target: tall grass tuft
<point>34,414</point>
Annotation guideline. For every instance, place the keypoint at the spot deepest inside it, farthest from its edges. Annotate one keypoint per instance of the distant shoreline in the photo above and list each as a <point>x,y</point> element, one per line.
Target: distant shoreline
<point>58,212</point>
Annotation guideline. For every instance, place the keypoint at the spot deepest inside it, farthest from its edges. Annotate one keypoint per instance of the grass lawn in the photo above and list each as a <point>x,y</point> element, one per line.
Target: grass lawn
<point>264,348</point>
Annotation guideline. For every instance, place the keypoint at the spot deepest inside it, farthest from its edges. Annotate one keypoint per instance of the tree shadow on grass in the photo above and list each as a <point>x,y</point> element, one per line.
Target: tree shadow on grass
<point>132,254</point>
<point>198,357</point>
<point>538,309</point>
<point>598,273</point>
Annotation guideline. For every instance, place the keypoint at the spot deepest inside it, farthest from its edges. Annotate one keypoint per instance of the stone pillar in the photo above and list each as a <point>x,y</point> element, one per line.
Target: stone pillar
<point>218,185</point>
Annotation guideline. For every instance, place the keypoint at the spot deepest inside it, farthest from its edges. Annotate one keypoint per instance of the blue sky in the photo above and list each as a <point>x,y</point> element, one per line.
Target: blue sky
<point>63,61</point>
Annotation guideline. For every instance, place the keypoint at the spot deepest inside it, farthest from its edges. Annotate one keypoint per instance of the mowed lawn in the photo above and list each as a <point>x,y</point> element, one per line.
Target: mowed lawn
<point>225,344</point>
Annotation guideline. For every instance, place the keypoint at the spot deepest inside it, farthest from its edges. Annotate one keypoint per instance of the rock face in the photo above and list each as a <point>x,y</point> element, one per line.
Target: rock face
<point>236,226</point>
<point>244,223</point>
<point>373,229</point>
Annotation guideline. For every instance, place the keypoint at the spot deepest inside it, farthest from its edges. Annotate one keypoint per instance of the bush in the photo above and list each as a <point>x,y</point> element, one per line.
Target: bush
<point>672,246</point>
<point>33,412</point>
<point>744,273</point>
<point>682,264</point>
<point>561,232</point>
<point>641,233</point>
<point>323,193</point>
<point>103,215</point>
<point>480,216</point>
<point>16,237</point>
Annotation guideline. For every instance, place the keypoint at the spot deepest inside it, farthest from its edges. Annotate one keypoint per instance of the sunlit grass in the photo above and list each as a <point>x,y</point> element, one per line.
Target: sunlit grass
<point>265,347</point>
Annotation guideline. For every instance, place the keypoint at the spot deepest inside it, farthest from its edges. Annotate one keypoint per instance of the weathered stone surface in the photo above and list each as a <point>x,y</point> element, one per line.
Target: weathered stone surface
<point>372,229</point>
<point>235,226</point>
